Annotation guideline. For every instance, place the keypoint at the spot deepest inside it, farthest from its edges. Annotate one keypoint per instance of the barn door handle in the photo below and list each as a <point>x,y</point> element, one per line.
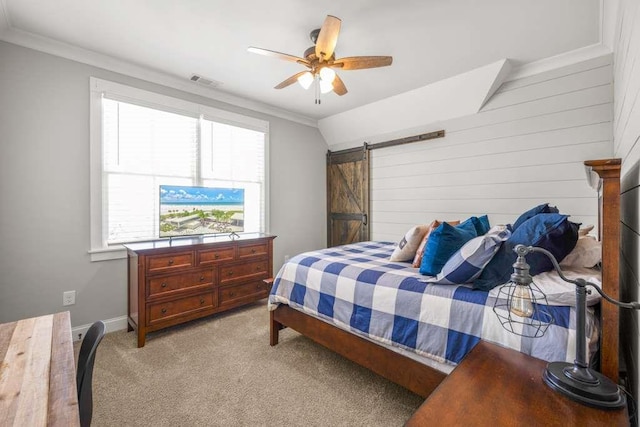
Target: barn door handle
<point>364,219</point>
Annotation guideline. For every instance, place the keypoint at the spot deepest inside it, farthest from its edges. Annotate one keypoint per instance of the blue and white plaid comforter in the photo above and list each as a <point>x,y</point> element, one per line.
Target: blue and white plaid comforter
<point>358,289</point>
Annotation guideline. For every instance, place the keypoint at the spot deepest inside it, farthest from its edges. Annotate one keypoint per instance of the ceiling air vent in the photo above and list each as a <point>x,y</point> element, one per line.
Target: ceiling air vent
<point>204,81</point>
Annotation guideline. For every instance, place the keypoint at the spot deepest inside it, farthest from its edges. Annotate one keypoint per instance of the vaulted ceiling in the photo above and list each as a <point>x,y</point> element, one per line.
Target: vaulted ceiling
<point>429,40</point>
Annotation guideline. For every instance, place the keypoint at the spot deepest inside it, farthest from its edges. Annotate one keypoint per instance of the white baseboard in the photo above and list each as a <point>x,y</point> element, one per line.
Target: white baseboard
<point>112,325</point>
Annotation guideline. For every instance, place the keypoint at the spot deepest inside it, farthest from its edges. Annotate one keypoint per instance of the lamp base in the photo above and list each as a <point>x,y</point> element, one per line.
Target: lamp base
<point>584,385</point>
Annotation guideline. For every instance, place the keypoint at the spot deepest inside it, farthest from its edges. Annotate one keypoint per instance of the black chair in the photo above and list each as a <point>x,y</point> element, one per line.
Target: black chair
<point>84,374</point>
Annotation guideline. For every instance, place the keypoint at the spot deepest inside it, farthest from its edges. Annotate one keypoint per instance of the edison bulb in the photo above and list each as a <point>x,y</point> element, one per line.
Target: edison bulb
<point>521,301</point>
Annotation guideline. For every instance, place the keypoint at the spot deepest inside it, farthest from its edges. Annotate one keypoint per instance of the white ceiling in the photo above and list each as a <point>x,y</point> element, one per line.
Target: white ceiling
<point>429,40</point>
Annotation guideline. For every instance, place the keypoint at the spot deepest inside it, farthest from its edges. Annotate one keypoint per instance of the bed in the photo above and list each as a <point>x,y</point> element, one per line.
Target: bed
<point>387,339</point>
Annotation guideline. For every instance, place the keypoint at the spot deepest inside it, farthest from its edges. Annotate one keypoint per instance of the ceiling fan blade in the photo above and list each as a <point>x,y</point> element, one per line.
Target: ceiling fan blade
<point>362,62</point>
<point>291,80</point>
<point>328,37</point>
<point>279,55</point>
<point>338,86</point>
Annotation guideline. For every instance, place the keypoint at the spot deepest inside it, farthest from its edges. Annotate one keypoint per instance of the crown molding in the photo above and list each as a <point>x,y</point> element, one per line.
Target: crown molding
<point>553,62</point>
<point>85,56</point>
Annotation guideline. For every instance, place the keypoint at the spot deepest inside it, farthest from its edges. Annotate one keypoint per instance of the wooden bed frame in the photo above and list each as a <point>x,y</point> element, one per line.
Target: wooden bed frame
<point>604,176</point>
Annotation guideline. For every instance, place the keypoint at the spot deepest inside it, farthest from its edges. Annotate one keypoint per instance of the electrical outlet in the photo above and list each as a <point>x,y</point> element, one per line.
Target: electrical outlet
<point>69,298</point>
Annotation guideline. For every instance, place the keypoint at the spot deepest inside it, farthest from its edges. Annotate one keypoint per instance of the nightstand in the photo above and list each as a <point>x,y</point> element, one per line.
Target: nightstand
<point>496,386</point>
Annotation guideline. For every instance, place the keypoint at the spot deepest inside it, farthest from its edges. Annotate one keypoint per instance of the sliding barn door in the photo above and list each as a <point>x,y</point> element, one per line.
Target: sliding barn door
<point>347,196</point>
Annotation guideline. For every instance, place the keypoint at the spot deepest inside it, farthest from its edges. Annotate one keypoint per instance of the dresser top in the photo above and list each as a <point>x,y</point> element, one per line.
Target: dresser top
<point>178,242</point>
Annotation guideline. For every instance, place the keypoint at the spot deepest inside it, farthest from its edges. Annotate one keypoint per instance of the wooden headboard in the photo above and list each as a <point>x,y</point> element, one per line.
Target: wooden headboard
<point>604,176</point>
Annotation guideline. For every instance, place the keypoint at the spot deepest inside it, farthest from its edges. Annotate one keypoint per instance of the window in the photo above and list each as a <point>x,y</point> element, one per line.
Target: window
<point>141,140</point>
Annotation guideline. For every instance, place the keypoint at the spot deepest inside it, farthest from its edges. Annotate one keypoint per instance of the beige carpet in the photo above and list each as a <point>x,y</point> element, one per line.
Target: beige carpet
<point>221,371</point>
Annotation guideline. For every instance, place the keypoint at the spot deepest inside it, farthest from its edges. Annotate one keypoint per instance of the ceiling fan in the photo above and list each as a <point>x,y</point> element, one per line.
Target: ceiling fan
<point>320,60</point>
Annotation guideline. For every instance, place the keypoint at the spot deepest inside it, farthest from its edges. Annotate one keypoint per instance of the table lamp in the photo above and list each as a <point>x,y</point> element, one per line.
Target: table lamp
<point>521,308</point>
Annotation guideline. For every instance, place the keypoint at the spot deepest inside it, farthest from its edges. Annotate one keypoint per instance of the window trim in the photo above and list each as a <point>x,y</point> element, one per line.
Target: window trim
<point>99,250</point>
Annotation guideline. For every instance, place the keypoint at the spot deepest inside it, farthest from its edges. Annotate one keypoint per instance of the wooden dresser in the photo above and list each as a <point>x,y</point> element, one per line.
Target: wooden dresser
<point>174,281</point>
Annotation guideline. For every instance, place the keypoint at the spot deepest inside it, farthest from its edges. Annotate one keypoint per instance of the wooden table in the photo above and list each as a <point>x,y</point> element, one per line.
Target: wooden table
<point>496,386</point>
<point>37,372</point>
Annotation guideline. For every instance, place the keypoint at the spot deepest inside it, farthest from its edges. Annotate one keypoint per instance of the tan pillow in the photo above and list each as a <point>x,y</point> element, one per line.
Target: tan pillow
<point>585,230</point>
<point>417,259</point>
<point>586,253</point>
<point>406,249</point>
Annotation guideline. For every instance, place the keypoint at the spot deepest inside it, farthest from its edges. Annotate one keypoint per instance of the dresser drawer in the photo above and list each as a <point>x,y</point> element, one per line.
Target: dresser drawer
<point>210,256</point>
<point>167,310</point>
<point>248,251</point>
<point>165,285</point>
<point>163,263</point>
<point>248,270</point>
<point>253,290</point>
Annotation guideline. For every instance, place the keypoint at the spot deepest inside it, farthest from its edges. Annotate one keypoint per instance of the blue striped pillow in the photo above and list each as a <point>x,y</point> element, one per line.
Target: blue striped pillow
<point>467,264</point>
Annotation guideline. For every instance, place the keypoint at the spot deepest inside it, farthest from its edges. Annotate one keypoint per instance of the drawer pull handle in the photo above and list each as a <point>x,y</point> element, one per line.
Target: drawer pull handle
<point>230,273</point>
<point>253,251</point>
<point>231,294</point>
<point>257,268</point>
<point>201,278</point>
<point>164,284</point>
<point>201,300</point>
<point>216,256</point>
<point>164,310</point>
<point>171,262</point>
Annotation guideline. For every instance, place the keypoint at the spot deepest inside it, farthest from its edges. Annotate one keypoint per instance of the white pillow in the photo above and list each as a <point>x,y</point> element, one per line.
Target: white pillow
<point>408,245</point>
<point>587,253</point>
<point>559,292</point>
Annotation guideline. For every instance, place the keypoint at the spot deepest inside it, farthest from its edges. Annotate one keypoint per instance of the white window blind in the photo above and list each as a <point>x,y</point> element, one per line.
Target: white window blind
<point>144,147</point>
<point>235,157</point>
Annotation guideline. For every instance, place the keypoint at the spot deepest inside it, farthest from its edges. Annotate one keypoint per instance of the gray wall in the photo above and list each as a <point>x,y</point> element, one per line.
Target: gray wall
<point>626,137</point>
<point>525,147</point>
<point>44,188</point>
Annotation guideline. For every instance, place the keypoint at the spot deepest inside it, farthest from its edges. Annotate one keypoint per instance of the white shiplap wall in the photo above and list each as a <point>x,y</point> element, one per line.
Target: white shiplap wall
<point>626,137</point>
<point>526,146</point>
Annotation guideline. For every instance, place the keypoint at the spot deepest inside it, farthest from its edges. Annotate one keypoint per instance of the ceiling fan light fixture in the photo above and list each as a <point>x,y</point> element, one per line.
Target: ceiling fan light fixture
<point>325,86</point>
<point>305,80</point>
<point>327,74</point>
<point>320,60</point>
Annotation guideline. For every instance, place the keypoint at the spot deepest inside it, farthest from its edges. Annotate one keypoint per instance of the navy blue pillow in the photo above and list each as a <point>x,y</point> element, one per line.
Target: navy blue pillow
<point>544,208</point>
<point>442,243</point>
<point>551,231</point>
<point>482,224</point>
